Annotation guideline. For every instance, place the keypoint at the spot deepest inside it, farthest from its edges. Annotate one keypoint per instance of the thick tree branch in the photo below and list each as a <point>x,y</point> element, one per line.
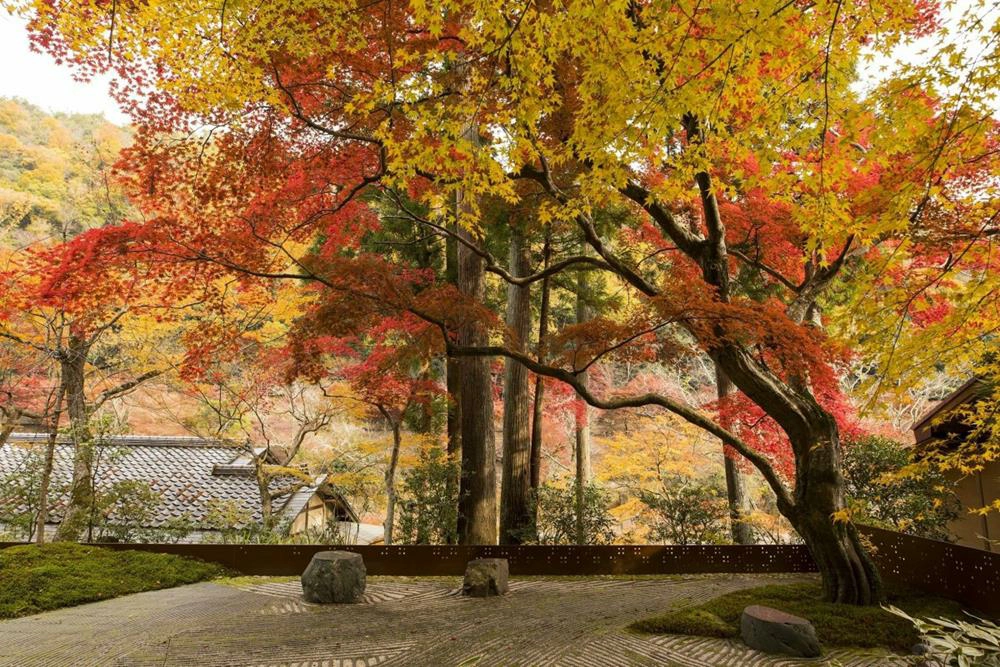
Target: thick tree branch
<point>687,413</point>
<point>124,388</point>
<point>690,243</point>
<point>20,341</point>
<point>543,177</point>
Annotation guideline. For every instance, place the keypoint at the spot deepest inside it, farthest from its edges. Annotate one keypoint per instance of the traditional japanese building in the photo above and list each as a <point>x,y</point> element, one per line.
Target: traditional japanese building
<point>941,427</point>
<point>194,490</point>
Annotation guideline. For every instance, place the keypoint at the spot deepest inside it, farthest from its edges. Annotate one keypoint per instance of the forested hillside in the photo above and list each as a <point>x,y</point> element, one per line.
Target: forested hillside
<point>55,173</point>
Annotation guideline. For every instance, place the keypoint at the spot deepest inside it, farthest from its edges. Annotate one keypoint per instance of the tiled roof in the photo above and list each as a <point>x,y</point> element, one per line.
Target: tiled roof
<point>188,474</point>
<point>937,421</point>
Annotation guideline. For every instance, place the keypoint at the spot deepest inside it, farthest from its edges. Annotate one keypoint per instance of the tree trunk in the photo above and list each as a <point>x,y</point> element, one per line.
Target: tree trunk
<point>848,573</point>
<point>477,501</point>
<point>50,455</point>
<point>582,451</point>
<point>516,520</point>
<point>849,576</point>
<point>423,419</point>
<point>539,401</point>
<point>390,482</point>
<point>453,382</point>
<point>73,367</point>
<point>263,487</point>
<point>735,485</point>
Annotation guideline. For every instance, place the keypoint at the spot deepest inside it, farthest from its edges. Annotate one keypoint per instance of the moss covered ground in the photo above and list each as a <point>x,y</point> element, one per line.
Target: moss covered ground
<point>39,578</point>
<point>838,625</point>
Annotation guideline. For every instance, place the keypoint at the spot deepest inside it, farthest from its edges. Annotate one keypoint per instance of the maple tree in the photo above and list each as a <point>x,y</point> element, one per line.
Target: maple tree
<point>240,405</point>
<point>232,363</point>
<point>33,391</point>
<point>81,338</point>
<point>385,372</point>
<point>766,195</point>
<point>86,333</point>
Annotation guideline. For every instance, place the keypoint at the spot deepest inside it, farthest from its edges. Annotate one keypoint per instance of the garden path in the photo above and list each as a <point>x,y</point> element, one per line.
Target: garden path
<point>542,621</point>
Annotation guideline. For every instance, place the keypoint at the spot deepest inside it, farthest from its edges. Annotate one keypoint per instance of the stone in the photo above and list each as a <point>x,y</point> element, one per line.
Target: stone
<point>773,631</point>
<point>334,577</point>
<point>485,577</point>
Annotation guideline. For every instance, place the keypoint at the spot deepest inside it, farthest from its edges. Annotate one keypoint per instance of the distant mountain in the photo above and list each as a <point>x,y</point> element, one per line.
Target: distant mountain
<point>56,172</point>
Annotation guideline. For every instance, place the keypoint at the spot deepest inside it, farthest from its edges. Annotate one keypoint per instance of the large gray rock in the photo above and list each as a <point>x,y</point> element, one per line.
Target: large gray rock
<point>485,577</point>
<point>334,576</point>
<point>773,631</point>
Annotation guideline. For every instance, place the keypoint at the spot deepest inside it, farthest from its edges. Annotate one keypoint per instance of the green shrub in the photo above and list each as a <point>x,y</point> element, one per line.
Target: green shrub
<point>687,510</point>
<point>921,503</point>
<point>428,500</point>
<point>556,508</point>
<point>963,643</point>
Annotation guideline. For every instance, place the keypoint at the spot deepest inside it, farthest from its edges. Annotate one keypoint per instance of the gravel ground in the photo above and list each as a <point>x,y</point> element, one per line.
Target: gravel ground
<point>542,621</point>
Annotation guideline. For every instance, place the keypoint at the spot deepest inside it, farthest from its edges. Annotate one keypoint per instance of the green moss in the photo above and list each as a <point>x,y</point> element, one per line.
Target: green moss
<point>38,578</point>
<point>696,622</point>
<point>836,624</point>
<point>241,581</point>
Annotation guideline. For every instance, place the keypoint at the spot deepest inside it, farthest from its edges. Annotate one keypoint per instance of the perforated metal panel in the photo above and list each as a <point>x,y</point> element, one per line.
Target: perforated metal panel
<point>441,560</point>
<point>971,576</point>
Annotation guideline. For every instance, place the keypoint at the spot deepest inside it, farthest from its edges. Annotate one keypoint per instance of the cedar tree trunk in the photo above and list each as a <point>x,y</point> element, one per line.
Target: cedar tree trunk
<point>582,421</point>
<point>516,517</point>
<point>453,382</point>
<point>477,500</point>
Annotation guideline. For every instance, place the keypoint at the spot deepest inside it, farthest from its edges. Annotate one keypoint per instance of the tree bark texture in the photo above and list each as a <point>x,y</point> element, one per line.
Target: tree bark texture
<point>516,516</point>
<point>390,482</point>
<point>477,501</point>
<point>582,450</point>
<point>263,487</point>
<point>735,484</point>
<point>73,368</point>
<point>453,381</point>
<point>49,463</point>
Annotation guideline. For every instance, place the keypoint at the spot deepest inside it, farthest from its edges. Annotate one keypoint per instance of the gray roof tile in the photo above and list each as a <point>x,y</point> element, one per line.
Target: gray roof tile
<point>180,469</point>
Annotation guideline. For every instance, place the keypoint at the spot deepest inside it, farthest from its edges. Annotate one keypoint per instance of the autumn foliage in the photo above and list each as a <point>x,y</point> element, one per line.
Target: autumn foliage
<point>739,193</point>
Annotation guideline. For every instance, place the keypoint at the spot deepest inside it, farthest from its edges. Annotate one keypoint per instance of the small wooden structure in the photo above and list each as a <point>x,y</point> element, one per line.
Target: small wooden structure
<point>941,427</point>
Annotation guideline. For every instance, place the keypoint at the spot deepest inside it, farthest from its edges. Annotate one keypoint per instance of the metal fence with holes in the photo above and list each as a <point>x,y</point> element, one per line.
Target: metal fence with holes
<point>971,576</point>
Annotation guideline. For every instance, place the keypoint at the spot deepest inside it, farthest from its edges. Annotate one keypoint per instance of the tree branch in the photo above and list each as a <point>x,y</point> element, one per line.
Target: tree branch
<point>691,244</point>
<point>687,413</point>
<point>490,262</point>
<point>124,388</point>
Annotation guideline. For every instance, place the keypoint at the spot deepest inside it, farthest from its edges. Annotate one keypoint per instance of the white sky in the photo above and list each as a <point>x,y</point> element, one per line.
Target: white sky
<point>35,77</point>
